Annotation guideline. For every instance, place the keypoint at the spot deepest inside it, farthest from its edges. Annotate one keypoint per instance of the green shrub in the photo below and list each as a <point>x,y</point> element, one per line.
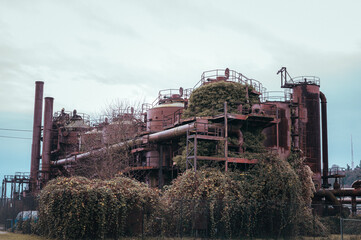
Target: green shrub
<point>35,227</point>
<point>271,199</point>
<point>19,225</point>
<point>79,208</point>
<point>208,100</point>
<point>26,228</point>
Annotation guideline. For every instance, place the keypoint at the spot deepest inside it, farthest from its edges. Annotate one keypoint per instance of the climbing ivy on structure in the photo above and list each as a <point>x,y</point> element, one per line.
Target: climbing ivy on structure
<point>208,100</point>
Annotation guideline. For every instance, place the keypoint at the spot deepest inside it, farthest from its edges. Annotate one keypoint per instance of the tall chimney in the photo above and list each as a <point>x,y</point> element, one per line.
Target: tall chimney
<point>35,148</point>
<point>48,125</point>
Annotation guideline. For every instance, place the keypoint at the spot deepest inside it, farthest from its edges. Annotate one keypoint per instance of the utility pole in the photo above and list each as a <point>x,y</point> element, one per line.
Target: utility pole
<point>352,163</point>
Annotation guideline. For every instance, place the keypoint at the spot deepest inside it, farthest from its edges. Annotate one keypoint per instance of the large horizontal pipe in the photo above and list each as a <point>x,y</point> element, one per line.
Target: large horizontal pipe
<point>349,192</point>
<point>87,154</point>
<point>154,137</point>
<point>348,201</point>
<point>328,195</point>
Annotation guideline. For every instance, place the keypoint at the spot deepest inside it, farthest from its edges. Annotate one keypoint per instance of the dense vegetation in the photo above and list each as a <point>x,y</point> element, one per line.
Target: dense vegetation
<point>79,208</point>
<point>208,99</point>
<point>271,199</point>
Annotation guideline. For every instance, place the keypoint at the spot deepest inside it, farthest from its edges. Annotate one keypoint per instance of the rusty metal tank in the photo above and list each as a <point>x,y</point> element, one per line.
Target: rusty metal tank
<point>166,110</point>
<point>92,139</point>
<point>70,127</point>
<point>121,127</point>
<point>278,136</point>
<point>305,119</point>
<point>306,98</point>
<point>153,157</point>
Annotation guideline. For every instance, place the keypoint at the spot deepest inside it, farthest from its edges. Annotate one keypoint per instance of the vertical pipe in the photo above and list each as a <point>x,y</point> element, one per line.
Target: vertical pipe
<point>341,227</point>
<point>160,175</point>
<point>195,152</point>
<point>277,129</point>
<point>19,191</point>
<point>324,139</point>
<point>12,191</point>
<point>353,205</point>
<point>226,135</point>
<point>35,148</point>
<point>3,191</point>
<point>187,147</point>
<point>48,124</point>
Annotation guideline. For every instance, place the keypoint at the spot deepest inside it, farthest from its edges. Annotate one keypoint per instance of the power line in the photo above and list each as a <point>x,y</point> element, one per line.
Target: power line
<point>17,130</point>
<point>14,137</point>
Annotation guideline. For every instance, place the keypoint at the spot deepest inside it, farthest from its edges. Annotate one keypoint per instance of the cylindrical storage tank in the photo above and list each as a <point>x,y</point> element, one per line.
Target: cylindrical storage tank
<point>278,136</point>
<point>152,158</point>
<point>163,115</point>
<point>121,128</point>
<point>71,141</point>
<point>112,133</point>
<point>91,140</point>
<point>307,97</point>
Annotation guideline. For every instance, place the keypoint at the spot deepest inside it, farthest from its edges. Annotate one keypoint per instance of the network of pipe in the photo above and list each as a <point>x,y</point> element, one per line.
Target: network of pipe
<point>226,119</point>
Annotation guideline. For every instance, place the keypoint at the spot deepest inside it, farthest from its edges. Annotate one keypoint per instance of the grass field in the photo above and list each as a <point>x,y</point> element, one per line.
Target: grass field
<point>14,236</point>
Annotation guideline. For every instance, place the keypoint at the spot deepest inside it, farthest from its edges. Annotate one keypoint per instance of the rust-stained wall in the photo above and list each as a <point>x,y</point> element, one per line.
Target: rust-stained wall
<point>307,96</point>
<point>163,115</point>
<point>278,136</point>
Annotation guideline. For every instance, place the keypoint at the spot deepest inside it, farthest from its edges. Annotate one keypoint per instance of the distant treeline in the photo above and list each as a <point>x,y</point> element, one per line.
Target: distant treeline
<point>352,175</point>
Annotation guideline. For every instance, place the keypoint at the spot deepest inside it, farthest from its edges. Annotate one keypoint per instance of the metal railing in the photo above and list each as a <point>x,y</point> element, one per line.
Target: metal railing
<point>68,116</point>
<point>336,171</point>
<point>171,119</point>
<point>170,94</point>
<point>207,76</point>
<point>302,80</point>
<point>277,96</point>
<point>114,118</point>
<point>146,107</point>
<point>233,76</point>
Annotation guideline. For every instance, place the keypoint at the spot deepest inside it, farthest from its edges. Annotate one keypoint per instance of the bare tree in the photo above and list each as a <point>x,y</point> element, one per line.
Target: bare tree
<point>119,123</point>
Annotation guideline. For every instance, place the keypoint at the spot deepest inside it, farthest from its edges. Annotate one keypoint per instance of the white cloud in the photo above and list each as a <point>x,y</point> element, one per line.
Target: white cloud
<point>91,52</point>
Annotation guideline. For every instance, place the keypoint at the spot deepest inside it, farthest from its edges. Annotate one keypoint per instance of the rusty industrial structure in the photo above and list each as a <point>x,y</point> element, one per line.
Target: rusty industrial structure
<point>293,121</point>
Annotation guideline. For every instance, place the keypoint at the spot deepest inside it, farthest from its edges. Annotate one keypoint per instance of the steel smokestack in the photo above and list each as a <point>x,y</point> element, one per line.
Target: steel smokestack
<point>48,125</point>
<point>35,148</point>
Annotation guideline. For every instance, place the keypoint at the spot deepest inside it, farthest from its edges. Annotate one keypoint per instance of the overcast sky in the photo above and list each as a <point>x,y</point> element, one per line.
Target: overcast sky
<point>91,53</point>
